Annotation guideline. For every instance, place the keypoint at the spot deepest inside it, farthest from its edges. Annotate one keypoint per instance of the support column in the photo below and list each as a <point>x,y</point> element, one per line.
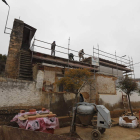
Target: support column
<point>12,63</point>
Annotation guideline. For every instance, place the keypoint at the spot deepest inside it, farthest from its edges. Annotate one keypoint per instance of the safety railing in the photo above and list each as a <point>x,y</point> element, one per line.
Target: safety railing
<point>62,50</point>
<point>96,52</point>
<point>41,46</point>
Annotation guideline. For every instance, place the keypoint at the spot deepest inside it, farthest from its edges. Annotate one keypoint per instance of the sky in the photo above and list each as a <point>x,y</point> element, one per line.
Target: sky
<point>113,25</point>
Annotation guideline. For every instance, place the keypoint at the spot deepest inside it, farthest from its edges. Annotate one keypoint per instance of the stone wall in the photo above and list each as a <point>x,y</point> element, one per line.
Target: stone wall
<point>106,84</point>
<point>16,95</point>
<point>12,63</point>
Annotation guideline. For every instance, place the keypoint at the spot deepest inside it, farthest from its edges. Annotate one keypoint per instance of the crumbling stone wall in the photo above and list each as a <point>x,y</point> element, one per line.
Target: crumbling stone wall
<point>106,84</point>
<point>16,95</point>
<point>12,63</point>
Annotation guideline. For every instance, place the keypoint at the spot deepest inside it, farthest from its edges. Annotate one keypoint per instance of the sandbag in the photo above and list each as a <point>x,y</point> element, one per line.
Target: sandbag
<point>128,121</point>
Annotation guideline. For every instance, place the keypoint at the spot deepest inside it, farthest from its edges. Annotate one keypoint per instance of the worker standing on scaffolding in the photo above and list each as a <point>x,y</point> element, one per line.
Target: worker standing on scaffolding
<point>81,55</point>
<point>53,48</point>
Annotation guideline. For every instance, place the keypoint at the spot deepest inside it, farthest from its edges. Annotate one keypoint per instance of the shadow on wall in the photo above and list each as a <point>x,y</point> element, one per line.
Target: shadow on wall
<point>59,103</point>
<point>2,64</point>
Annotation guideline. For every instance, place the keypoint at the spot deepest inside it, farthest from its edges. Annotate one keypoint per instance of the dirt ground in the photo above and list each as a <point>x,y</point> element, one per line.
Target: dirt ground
<point>114,133</point>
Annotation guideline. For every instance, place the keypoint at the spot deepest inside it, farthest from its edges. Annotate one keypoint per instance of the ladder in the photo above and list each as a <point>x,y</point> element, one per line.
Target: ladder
<point>125,103</point>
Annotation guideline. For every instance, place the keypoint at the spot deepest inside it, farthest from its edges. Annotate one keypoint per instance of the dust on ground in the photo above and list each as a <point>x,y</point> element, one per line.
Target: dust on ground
<point>114,133</point>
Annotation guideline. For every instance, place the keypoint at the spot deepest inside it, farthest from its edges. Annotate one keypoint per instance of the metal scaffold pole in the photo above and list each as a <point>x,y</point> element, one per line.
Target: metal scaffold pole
<point>133,67</point>
<point>130,65</point>
<point>32,48</point>
<point>93,89</point>
<point>68,50</point>
<point>116,64</point>
<point>98,56</point>
<point>93,51</point>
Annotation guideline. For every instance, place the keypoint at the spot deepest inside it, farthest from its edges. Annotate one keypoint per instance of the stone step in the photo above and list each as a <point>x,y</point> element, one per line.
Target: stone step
<point>25,62</point>
<point>25,57</point>
<point>25,76</point>
<point>25,67</point>
<point>22,67</point>
<point>24,54</point>
<point>23,73</point>
<point>28,70</point>
<point>24,51</point>
<point>26,73</point>
<point>29,79</point>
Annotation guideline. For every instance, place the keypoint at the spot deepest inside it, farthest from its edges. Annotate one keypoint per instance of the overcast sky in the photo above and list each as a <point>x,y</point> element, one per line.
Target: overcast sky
<point>113,24</point>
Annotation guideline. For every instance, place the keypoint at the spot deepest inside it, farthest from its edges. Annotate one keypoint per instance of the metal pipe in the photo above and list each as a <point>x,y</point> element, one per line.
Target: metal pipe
<point>110,54</point>
<point>7,21</point>
<point>116,63</point>
<point>33,49</point>
<point>61,47</point>
<point>112,58</point>
<point>98,57</point>
<point>135,63</point>
<point>98,50</point>
<point>8,28</point>
<point>88,54</point>
<point>50,44</point>
<point>68,51</point>
<point>133,67</point>
<point>48,49</point>
<point>7,33</point>
<point>93,51</point>
<point>75,55</point>
<point>129,64</point>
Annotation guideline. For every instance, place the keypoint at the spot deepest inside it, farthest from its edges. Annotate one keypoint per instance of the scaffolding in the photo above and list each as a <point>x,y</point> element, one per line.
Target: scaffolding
<point>106,59</point>
<point>118,61</point>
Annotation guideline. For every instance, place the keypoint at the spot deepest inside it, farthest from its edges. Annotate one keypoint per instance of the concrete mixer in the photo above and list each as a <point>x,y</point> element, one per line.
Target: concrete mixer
<point>85,112</point>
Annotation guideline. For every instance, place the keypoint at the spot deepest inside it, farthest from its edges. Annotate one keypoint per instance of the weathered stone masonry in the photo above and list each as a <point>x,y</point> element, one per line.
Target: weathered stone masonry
<point>12,67</point>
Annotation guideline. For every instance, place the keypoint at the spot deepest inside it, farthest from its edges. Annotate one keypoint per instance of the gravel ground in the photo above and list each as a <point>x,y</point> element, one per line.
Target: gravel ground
<point>114,133</point>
